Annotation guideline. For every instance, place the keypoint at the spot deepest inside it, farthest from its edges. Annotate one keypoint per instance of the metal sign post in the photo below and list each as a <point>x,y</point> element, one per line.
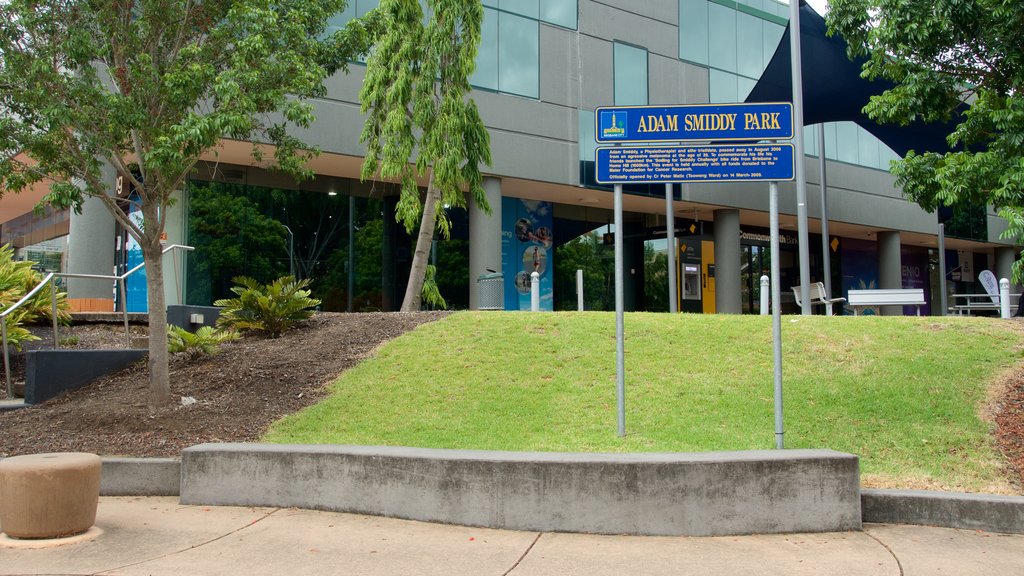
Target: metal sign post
<point>646,164</point>
<point>620,339</point>
<point>773,190</point>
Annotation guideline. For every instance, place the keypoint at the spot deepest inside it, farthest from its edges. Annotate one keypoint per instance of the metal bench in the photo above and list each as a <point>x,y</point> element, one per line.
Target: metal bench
<point>816,294</point>
<point>886,297</point>
<point>964,304</point>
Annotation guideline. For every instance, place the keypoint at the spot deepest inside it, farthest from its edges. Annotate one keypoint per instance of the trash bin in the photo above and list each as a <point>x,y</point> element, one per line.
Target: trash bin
<point>490,293</point>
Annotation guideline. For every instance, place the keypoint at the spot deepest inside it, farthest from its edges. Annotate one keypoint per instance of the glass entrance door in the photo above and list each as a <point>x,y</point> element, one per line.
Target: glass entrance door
<point>754,261</point>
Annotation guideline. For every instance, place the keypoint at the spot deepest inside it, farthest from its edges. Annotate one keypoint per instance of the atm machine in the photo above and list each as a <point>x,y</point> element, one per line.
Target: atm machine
<point>688,277</point>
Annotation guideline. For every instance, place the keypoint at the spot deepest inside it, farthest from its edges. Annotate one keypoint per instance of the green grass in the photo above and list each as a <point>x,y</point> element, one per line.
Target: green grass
<point>905,394</point>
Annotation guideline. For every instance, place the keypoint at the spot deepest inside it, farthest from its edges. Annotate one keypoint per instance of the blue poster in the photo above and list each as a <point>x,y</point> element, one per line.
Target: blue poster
<point>526,247</point>
<point>135,285</point>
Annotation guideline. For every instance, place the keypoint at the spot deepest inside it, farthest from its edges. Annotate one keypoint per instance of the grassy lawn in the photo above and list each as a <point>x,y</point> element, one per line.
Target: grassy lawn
<point>905,394</point>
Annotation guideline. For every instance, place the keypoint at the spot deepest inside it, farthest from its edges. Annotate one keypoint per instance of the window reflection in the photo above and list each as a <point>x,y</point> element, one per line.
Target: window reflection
<point>518,55</point>
<point>630,75</point>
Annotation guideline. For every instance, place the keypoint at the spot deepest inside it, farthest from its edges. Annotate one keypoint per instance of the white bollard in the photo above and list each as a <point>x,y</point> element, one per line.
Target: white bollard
<point>579,290</point>
<point>765,290</point>
<point>1004,298</point>
<point>535,292</point>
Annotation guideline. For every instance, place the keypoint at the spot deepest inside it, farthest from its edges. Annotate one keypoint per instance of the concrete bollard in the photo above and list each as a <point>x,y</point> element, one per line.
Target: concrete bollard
<point>1004,298</point>
<point>535,292</point>
<point>49,495</point>
<point>765,292</point>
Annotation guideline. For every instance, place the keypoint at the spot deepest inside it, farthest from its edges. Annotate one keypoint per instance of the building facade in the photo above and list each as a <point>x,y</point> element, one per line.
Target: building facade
<point>543,67</point>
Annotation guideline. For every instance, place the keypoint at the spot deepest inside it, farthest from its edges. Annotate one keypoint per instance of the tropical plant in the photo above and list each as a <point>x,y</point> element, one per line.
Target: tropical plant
<point>18,278</point>
<point>415,97</point>
<point>147,88</point>
<point>271,308</point>
<point>431,293</point>
<point>204,341</point>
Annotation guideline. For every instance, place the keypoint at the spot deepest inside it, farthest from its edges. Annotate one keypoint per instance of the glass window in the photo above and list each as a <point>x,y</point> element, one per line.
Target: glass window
<point>588,143</point>
<point>524,7</point>
<point>559,12</point>
<point>772,35</point>
<point>486,73</point>
<point>811,140</point>
<point>886,155</point>
<point>630,75</point>
<point>723,87</point>
<point>847,142</point>
<point>338,21</point>
<point>830,141</point>
<point>693,30</point>
<point>518,55</point>
<point>491,3</point>
<point>749,45</point>
<point>743,88</point>
<point>868,155</point>
<point>722,48</point>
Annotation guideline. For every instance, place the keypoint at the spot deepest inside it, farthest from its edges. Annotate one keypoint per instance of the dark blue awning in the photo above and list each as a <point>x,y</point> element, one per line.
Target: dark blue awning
<point>834,90</point>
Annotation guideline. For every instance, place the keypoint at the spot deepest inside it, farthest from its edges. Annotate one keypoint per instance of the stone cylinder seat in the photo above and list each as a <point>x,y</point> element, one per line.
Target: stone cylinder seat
<point>49,495</point>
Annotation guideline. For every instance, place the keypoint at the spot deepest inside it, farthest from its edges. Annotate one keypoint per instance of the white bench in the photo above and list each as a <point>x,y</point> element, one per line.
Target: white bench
<point>886,297</point>
<point>816,294</point>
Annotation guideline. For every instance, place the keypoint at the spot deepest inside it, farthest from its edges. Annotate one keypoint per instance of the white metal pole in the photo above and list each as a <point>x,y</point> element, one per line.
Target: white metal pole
<point>765,291</point>
<point>1004,298</point>
<point>670,247</point>
<point>825,253</point>
<point>798,142</point>
<point>620,350</point>
<point>942,271</point>
<point>535,292</point>
<point>579,290</point>
<point>776,314</point>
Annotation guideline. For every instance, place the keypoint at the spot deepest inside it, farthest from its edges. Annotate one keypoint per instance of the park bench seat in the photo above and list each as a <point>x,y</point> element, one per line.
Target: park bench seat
<point>886,297</point>
<point>816,294</point>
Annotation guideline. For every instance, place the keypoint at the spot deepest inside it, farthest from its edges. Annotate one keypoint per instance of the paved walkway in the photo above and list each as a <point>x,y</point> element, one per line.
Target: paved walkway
<point>159,536</point>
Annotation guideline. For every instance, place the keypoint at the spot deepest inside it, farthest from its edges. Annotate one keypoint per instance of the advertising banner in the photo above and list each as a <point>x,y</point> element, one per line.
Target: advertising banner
<point>526,247</point>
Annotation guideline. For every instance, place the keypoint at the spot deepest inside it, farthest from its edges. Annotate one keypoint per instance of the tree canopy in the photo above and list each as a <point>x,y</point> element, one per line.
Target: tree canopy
<point>149,87</point>
<point>943,54</point>
<point>420,121</point>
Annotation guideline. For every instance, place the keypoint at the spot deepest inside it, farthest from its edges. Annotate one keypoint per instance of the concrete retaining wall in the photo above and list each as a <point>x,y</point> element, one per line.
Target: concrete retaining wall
<point>181,315</point>
<point>986,512</point>
<point>140,477</point>
<point>649,494</point>
<point>50,373</point>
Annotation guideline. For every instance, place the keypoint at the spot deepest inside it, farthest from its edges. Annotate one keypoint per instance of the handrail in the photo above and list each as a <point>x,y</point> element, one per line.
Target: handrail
<point>53,296</point>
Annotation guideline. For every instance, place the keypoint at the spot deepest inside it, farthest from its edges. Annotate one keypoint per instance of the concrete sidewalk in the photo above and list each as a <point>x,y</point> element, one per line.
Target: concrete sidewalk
<point>160,536</point>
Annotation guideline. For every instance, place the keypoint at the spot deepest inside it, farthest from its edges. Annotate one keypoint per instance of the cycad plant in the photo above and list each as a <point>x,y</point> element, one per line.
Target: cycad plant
<point>17,278</point>
<point>272,308</point>
<point>204,341</point>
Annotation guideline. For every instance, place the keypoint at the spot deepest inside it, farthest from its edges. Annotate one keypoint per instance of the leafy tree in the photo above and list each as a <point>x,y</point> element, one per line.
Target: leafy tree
<point>940,54</point>
<point>415,98</point>
<point>148,87</point>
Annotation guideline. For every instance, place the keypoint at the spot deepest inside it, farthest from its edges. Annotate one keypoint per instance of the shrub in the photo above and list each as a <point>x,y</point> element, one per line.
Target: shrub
<point>272,308</point>
<point>17,278</point>
<point>205,341</point>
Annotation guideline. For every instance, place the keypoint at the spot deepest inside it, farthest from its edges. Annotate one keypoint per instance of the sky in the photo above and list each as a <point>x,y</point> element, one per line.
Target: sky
<point>818,5</point>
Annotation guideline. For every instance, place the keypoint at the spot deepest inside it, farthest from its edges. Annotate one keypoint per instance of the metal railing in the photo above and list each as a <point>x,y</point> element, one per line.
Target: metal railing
<point>50,279</point>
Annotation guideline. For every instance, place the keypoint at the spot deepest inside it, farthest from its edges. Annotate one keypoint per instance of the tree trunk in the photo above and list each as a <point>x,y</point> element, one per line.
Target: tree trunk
<point>414,290</point>
<point>159,379</point>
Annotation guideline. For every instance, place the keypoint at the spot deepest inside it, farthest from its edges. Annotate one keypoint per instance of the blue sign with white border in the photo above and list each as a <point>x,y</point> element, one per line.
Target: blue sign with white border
<point>720,163</point>
<point>760,121</point>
